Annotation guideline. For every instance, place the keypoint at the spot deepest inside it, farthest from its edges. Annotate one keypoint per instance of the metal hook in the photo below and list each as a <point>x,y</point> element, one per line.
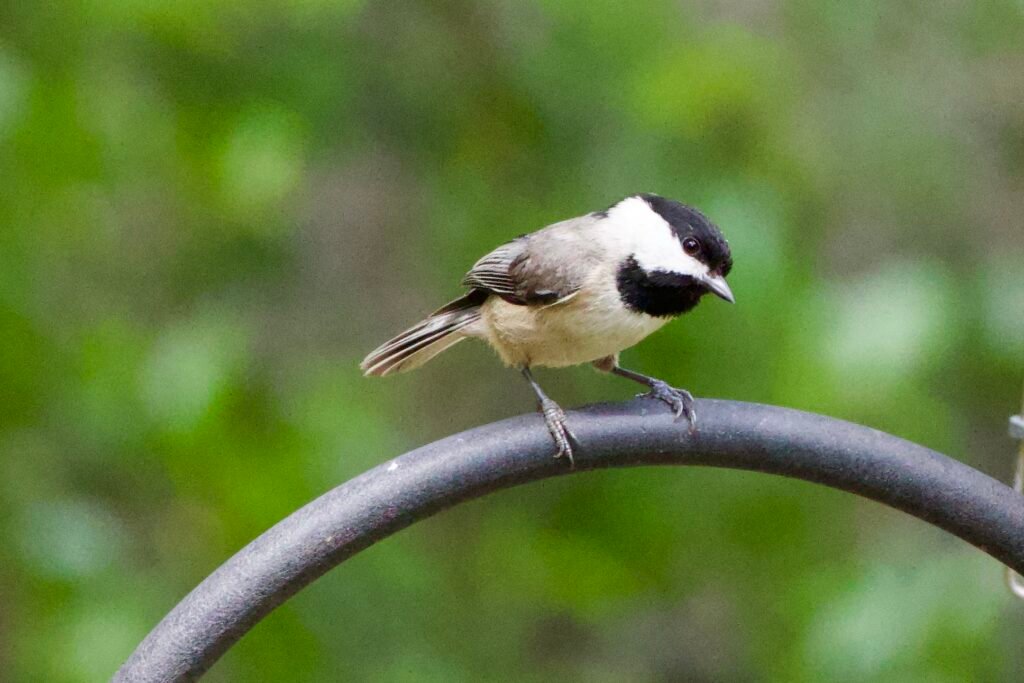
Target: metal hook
<point>1014,581</point>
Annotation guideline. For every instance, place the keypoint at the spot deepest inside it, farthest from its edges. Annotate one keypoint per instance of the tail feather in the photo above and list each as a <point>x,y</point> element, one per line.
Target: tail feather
<point>413,353</point>
<point>426,339</point>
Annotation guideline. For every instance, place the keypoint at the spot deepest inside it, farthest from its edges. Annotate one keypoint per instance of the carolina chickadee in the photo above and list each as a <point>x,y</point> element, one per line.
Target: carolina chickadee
<point>578,291</point>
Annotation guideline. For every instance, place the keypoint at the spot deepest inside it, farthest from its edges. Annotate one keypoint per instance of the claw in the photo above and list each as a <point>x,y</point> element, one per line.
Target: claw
<point>680,400</point>
<point>554,419</point>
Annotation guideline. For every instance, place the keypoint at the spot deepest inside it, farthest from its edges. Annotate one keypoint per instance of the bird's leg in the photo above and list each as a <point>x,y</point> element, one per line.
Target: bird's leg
<point>554,419</point>
<point>680,400</point>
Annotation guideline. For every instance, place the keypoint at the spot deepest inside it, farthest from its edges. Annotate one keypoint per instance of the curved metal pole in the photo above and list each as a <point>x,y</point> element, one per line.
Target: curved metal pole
<point>1014,580</point>
<point>397,493</point>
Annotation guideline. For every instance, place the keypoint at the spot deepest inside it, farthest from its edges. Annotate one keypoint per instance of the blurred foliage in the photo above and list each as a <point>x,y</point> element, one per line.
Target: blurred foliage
<point>210,211</point>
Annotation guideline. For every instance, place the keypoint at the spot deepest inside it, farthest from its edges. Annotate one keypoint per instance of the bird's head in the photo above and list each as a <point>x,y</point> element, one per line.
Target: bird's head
<point>675,256</point>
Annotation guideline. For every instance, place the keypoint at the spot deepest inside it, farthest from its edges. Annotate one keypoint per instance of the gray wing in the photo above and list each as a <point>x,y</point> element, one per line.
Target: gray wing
<point>540,268</point>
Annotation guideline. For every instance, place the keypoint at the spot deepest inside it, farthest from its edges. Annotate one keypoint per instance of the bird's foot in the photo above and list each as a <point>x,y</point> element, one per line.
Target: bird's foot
<point>554,419</point>
<point>680,400</point>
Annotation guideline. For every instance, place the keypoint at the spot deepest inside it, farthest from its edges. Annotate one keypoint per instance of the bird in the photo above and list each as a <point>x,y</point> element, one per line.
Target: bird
<point>578,291</point>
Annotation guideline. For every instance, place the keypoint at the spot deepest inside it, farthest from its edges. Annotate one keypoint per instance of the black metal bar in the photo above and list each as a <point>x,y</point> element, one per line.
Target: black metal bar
<point>380,502</point>
<point>1014,580</point>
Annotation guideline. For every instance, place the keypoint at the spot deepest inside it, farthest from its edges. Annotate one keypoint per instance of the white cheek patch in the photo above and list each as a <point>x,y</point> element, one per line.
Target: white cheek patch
<point>653,242</point>
<point>681,264</point>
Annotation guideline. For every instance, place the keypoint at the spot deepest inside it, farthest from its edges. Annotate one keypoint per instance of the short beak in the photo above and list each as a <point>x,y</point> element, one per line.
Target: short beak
<point>718,285</point>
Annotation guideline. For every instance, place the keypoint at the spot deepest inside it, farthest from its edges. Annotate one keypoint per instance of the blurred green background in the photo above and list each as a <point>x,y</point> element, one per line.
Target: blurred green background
<point>210,212</point>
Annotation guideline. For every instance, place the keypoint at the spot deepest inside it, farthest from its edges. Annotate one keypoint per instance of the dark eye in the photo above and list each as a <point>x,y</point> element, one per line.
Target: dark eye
<point>691,246</point>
